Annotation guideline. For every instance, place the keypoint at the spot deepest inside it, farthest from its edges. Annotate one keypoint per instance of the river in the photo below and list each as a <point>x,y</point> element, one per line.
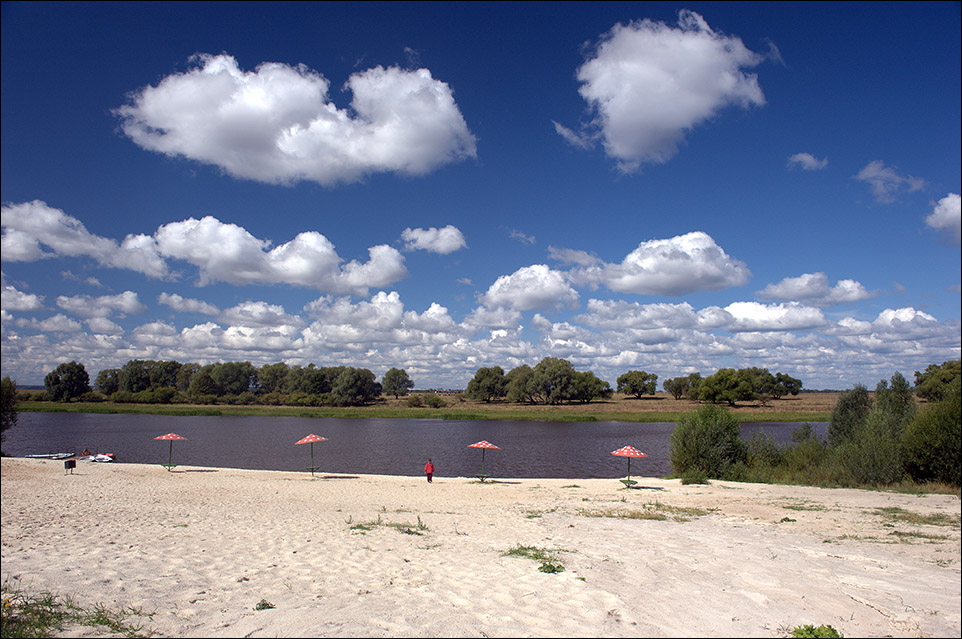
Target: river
<point>366,446</point>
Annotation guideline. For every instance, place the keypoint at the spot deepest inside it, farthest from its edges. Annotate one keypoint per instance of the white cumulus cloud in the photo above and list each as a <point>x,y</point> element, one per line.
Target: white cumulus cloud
<point>229,253</point>
<point>444,240</point>
<point>13,299</point>
<point>277,124</point>
<point>28,227</point>
<point>675,266</point>
<point>807,161</point>
<point>947,218</point>
<point>886,183</point>
<point>814,289</point>
<point>186,304</point>
<point>648,84</point>
<point>529,288</point>
<point>85,306</point>
<point>752,316</point>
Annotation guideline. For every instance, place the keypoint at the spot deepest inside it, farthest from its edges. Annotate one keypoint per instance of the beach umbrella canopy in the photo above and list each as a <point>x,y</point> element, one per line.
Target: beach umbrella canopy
<point>310,439</point>
<point>629,452</point>
<point>171,437</point>
<point>484,445</point>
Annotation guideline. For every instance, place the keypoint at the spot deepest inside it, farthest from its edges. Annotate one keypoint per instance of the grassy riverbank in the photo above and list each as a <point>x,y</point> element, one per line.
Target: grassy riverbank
<point>808,407</point>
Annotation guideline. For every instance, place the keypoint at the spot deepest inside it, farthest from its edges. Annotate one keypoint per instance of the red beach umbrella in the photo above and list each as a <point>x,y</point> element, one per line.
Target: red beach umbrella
<point>310,439</point>
<point>171,437</point>
<point>483,445</point>
<point>629,452</point>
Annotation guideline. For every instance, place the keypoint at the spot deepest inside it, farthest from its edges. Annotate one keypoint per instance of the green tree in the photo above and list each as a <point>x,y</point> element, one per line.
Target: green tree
<point>164,374</point>
<point>938,381</point>
<point>134,376</point>
<point>487,384</point>
<point>108,381</point>
<point>8,407</point>
<point>354,387</point>
<point>273,376</point>
<point>234,378</point>
<point>396,382</point>
<point>202,383</point>
<point>637,383</point>
<point>677,387</point>
<point>850,411</point>
<point>185,375</point>
<point>786,385</point>
<point>66,382</point>
<point>552,381</point>
<point>896,400</point>
<point>727,385</point>
<point>518,384</point>
<point>587,387</point>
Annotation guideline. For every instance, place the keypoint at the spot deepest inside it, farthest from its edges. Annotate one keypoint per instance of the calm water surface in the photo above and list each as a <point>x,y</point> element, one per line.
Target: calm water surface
<point>366,446</point>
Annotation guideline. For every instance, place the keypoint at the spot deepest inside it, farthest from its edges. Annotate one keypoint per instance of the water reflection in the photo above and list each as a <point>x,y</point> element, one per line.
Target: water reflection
<point>366,446</point>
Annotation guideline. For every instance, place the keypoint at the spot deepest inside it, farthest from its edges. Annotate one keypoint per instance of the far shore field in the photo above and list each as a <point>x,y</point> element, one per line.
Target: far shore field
<point>661,407</point>
<point>214,552</point>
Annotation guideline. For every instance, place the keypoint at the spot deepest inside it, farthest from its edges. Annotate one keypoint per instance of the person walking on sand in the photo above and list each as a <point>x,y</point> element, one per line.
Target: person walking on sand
<point>429,470</point>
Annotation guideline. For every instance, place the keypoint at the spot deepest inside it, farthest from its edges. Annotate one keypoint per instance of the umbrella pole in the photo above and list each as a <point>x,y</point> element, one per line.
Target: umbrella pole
<point>629,469</point>
<point>482,462</point>
<point>170,457</point>
<point>312,459</point>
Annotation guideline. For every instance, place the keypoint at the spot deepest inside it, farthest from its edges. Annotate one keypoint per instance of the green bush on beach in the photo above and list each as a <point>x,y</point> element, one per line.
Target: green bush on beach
<point>875,444</point>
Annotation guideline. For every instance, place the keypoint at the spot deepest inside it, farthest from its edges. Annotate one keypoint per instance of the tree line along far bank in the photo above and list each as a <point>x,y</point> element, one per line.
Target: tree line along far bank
<point>551,381</point>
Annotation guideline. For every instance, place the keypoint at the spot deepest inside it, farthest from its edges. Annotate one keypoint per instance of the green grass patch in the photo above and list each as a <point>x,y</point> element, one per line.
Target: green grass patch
<point>549,560</point>
<point>820,632</point>
<point>408,529</point>
<point>909,536</point>
<point>46,615</point>
<point>653,511</point>
<point>900,515</point>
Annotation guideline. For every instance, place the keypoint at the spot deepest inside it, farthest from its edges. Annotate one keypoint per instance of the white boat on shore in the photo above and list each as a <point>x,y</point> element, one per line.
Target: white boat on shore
<point>50,456</point>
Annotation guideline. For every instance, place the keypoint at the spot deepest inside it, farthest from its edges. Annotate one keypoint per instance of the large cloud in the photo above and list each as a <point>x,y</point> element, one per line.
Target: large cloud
<point>947,218</point>
<point>444,240</point>
<point>229,253</point>
<point>675,266</point>
<point>85,306</point>
<point>13,299</point>
<point>529,288</point>
<point>814,289</point>
<point>648,84</point>
<point>276,124</point>
<point>30,226</point>
<point>752,316</point>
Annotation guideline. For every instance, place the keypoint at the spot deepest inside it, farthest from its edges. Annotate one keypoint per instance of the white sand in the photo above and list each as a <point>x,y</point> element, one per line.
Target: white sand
<point>198,548</point>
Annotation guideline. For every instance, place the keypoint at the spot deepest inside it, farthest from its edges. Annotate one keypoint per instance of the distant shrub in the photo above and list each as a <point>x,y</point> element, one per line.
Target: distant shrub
<point>806,452</point>
<point>92,397</point>
<point>694,476</point>
<point>763,452</point>
<point>415,401</point>
<point>872,455</point>
<point>821,632</point>
<point>706,441</point>
<point>433,401</point>
<point>850,410</point>
<point>932,443</point>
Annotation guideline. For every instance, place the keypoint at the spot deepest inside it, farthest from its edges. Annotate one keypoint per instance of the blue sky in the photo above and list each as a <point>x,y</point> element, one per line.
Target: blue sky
<point>442,186</point>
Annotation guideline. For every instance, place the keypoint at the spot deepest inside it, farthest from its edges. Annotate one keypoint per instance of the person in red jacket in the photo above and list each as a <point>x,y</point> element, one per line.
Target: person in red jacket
<point>429,470</point>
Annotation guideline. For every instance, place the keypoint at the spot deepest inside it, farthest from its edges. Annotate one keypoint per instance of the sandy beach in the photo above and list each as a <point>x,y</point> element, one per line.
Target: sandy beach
<point>197,549</point>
